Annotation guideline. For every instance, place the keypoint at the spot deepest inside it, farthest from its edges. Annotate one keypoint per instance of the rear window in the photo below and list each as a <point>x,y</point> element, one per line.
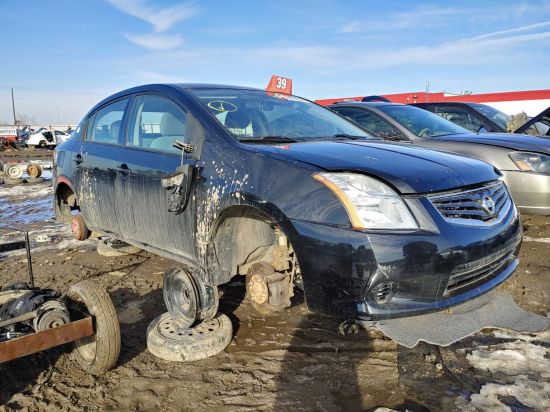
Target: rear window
<point>107,124</point>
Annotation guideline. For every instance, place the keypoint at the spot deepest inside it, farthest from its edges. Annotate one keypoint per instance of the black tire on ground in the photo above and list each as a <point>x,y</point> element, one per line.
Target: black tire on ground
<point>33,180</point>
<point>42,143</point>
<point>99,352</point>
<point>204,340</point>
<point>79,228</point>
<point>1,181</point>
<point>10,181</point>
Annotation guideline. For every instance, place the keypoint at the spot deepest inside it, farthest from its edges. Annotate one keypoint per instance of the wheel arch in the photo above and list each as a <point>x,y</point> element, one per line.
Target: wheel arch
<point>65,200</point>
<point>244,234</point>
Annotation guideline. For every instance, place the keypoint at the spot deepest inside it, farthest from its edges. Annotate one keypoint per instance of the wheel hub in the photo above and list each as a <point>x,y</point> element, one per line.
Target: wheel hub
<point>170,329</point>
<point>52,314</point>
<point>181,297</point>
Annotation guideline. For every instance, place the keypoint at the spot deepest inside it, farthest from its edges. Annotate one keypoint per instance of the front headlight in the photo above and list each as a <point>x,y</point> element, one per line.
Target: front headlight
<point>531,162</point>
<point>370,203</point>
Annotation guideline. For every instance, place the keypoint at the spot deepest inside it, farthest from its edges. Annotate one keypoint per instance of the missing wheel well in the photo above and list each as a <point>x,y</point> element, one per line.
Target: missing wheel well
<point>65,202</point>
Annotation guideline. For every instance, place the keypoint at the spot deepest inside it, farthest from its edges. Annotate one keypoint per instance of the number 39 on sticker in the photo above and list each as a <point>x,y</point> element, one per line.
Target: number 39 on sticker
<point>280,84</point>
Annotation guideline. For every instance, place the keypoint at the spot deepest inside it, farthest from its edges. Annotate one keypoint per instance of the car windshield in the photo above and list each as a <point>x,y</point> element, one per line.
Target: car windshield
<point>420,122</point>
<point>495,115</point>
<point>257,116</point>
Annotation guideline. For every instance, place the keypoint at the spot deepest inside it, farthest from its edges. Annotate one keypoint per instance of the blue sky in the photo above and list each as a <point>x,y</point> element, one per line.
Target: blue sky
<point>63,56</point>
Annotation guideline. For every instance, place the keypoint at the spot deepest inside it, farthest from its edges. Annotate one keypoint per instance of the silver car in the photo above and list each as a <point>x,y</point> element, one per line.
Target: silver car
<point>523,160</point>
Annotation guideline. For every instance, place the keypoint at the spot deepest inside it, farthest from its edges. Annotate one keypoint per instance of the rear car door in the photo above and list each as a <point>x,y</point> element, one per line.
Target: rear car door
<point>154,124</point>
<point>94,167</point>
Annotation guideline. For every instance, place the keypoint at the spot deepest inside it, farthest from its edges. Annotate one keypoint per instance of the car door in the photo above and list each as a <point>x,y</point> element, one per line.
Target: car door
<point>94,166</point>
<point>149,158</point>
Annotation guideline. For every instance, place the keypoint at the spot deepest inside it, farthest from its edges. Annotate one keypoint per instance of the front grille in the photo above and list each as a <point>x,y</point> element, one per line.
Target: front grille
<point>483,205</point>
<point>470,274</point>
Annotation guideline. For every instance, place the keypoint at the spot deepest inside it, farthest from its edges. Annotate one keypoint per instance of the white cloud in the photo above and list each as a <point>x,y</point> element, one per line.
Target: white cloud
<point>422,16</point>
<point>353,27</point>
<point>155,41</point>
<point>514,30</point>
<point>162,19</point>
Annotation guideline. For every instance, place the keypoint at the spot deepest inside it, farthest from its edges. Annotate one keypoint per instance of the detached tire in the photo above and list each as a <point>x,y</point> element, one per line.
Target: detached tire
<point>32,180</point>
<point>97,353</point>
<point>34,170</point>
<point>12,181</point>
<point>202,341</point>
<point>13,171</point>
<point>79,228</point>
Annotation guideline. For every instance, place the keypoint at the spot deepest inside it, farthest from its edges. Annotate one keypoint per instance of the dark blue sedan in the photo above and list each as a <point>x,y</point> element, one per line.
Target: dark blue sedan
<point>234,181</point>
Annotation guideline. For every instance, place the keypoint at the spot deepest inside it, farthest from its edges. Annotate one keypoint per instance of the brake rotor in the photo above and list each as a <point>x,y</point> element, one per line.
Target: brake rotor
<point>181,296</point>
<point>258,289</point>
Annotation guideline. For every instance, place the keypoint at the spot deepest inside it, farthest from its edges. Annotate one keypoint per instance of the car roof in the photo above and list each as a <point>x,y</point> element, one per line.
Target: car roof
<point>165,87</point>
<point>444,103</point>
<point>365,104</point>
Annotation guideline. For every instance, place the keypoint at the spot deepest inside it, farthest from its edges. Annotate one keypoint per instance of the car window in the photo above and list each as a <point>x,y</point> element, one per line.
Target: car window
<point>90,127</point>
<point>540,128</point>
<point>495,115</point>
<point>372,122</point>
<point>107,125</point>
<point>420,122</point>
<point>157,122</point>
<point>257,114</point>
<point>460,116</point>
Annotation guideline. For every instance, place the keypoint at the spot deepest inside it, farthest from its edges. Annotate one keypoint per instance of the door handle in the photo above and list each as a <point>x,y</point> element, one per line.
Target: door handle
<point>123,169</point>
<point>78,159</point>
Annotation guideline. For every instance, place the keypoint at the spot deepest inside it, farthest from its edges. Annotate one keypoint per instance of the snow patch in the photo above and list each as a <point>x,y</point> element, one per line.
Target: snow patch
<point>520,369</point>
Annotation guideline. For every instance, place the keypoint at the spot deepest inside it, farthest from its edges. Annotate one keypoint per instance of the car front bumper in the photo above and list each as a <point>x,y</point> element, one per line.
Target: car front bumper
<point>345,272</point>
<point>531,191</point>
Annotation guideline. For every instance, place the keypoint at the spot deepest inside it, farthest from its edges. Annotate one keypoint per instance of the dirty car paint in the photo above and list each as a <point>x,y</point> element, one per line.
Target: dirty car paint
<point>340,266</point>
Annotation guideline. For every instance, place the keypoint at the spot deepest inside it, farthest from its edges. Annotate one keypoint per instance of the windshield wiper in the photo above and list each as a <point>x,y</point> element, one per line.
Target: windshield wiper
<point>268,139</point>
<point>343,136</point>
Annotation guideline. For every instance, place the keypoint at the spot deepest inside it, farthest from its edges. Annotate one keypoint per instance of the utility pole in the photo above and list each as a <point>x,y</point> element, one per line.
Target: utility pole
<point>427,90</point>
<point>13,108</point>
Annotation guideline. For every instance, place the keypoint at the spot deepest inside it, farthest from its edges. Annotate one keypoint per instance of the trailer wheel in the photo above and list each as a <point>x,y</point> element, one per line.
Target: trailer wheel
<point>99,352</point>
<point>208,338</point>
<point>79,228</point>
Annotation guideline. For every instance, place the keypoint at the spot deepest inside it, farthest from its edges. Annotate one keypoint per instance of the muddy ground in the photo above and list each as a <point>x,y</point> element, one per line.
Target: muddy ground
<point>294,360</point>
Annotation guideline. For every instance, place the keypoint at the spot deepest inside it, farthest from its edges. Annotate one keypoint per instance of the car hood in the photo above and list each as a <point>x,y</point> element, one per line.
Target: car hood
<point>510,141</point>
<point>408,169</point>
